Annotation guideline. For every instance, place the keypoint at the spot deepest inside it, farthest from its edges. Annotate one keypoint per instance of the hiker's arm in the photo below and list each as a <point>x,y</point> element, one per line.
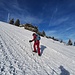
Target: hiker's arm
<point>34,38</point>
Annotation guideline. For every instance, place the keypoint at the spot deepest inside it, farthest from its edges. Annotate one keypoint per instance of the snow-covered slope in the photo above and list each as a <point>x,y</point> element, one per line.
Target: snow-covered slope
<point>16,57</point>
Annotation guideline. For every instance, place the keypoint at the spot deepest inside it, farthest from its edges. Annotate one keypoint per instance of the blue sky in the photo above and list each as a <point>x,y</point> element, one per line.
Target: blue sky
<point>55,17</point>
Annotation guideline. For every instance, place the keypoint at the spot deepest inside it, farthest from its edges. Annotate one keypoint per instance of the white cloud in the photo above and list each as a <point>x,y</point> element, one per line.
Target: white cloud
<point>1,3</point>
<point>10,5</point>
<point>16,5</point>
<point>58,21</point>
<point>69,28</point>
<point>31,19</point>
<point>54,12</point>
<point>50,32</point>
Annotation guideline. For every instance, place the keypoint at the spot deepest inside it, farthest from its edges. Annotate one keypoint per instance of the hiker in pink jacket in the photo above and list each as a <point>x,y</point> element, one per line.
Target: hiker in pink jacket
<point>36,40</point>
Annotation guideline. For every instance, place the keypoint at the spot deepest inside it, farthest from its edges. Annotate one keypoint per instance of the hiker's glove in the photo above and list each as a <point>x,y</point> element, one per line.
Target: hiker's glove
<point>30,40</point>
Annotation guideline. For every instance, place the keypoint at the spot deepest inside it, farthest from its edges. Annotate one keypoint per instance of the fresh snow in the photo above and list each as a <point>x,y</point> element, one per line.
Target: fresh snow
<point>17,58</point>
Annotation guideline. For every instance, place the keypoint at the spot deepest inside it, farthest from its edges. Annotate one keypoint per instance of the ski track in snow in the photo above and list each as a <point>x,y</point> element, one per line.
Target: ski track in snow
<point>16,57</point>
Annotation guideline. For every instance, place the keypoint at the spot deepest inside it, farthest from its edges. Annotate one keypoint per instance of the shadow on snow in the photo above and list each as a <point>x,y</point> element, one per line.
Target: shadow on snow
<point>42,49</point>
<point>63,71</point>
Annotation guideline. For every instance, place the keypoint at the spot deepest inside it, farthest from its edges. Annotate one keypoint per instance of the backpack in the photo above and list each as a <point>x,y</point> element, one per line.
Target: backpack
<point>38,37</point>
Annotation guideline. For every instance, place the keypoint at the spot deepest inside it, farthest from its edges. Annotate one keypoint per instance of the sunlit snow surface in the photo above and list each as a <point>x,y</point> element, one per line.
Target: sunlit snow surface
<point>16,57</point>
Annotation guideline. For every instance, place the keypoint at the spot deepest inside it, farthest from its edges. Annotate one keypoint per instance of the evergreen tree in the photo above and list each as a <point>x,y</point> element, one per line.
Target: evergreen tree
<point>70,42</point>
<point>61,41</point>
<point>43,33</point>
<point>17,23</point>
<point>53,37</point>
<point>11,21</point>
<point>74,43</point>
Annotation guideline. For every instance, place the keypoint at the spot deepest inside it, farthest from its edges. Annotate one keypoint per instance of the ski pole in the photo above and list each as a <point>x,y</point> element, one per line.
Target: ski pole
<point>31,48</point>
